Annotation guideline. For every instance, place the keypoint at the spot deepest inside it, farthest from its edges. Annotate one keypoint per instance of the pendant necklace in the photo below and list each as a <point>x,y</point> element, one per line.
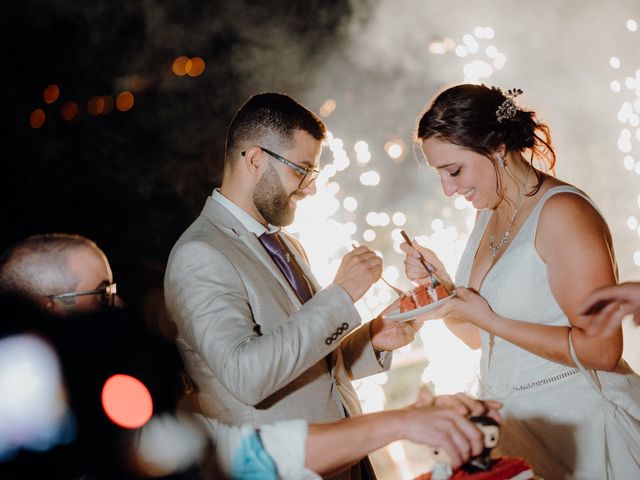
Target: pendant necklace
<point>494,247</point>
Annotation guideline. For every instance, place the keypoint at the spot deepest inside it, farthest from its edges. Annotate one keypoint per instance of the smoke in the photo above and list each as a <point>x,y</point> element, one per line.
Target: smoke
<point>384,74</point>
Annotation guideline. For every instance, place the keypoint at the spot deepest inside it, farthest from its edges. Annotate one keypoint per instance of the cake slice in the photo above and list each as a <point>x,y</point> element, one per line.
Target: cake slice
<point>420,296</point>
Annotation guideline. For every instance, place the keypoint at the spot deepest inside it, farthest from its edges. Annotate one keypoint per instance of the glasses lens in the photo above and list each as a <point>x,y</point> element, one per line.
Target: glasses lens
<point>308,179</point>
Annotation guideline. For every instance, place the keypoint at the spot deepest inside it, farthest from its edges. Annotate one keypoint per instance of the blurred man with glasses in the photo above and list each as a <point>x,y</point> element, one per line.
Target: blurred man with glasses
<point>260,337</point>
<point>62,273</point>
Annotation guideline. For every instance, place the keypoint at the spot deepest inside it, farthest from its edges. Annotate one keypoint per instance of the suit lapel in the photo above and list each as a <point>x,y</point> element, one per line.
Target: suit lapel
<point>225,221</point>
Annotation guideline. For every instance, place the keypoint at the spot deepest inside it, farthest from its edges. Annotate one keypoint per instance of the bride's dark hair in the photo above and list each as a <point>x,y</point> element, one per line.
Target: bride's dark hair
<point>465,115</point>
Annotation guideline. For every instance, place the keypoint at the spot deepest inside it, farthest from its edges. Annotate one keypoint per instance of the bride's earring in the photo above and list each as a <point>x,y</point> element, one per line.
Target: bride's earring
<point>501,161</point>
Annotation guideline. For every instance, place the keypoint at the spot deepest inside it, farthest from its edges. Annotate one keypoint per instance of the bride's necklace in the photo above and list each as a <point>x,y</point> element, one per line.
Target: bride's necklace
<point>494,247</point>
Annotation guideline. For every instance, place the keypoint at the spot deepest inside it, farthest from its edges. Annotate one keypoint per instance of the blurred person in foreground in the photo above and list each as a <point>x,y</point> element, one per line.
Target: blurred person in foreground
<point>538,248</point>
<point>93,344</point>
<point>260,337</point>
<point>90,443</point>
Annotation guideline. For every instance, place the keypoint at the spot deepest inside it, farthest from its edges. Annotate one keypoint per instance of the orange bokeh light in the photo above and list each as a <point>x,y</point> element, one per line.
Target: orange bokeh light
<point>51,93</point>
<point>124,101</point>
<point>37,117</point>
<point>179,65</point>
<point>69,110</point>
<point>126,401</point>
<point>108,104</point>
<point>95,105</point>
<point>195,67</point>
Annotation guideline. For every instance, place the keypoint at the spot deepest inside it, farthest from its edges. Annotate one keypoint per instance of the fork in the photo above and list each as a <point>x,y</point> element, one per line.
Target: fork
<point>399,292</point>
<point>427,266</point>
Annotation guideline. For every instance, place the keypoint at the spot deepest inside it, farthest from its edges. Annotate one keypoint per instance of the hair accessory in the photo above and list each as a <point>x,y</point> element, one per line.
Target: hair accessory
<point>507,109</point>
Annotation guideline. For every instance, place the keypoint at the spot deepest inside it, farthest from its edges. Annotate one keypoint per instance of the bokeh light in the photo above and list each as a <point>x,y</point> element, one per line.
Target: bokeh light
<point>96,105</point>
<point>69,110</point>
<point>195,67</point>
<point>327,107</point>
<point>126,401</point>
<point>51,93</point>
<point>37,118</point>
<point>179,66</point>
<point>108,104</point>
<point>370,178</point>
<point>350,204</point>
<point>168,444</point>
<point>394,149</point>
<point>33,412</point>
<point>124,101</point>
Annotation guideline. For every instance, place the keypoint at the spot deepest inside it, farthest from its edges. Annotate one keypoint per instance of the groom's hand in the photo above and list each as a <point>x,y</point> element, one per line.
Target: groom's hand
<point>387,335</point>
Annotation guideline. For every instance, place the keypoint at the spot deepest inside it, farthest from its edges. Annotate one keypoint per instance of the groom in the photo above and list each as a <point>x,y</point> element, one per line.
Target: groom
<point>260,337</point>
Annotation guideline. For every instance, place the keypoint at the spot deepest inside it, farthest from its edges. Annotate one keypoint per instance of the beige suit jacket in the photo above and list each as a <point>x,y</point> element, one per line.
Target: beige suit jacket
<point>255,352</point>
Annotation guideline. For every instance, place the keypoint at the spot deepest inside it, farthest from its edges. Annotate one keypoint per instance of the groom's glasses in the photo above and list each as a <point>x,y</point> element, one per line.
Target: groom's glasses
<point>308,174</point>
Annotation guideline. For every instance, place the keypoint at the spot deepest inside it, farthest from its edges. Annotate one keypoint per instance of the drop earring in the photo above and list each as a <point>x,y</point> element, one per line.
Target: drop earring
<point>501,161</point>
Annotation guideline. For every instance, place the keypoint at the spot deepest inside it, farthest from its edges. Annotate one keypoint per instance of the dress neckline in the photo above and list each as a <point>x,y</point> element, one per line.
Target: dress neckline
<point>534,210</point>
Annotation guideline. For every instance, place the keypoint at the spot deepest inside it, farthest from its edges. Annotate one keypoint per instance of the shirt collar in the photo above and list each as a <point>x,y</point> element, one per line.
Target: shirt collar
<point>242,216</point>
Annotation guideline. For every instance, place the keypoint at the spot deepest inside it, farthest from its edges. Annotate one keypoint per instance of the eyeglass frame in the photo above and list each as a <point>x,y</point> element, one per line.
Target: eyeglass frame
<point>305,172</point>
<point>108,293</point>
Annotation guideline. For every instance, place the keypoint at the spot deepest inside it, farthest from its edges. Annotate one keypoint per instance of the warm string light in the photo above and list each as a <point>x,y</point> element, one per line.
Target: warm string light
<point>69,110</point>
<point>192,67</point>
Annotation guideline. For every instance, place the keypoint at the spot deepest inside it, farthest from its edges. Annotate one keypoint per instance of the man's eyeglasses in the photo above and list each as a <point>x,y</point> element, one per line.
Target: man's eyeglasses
<point>108,294</point>
<point>308,174</point>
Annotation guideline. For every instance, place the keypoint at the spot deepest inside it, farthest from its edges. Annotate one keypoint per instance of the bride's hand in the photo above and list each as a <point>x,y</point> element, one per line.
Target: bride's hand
<point>471,306</point>
<point>466,305</point>
<point>415,271</point>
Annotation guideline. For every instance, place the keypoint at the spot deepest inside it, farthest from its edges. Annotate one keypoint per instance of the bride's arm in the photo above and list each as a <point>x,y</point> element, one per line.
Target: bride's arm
<point>575,244</point>
<point>464,330</point>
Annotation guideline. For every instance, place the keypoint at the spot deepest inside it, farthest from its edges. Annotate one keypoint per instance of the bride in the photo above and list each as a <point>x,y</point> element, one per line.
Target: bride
<point>539,247</point>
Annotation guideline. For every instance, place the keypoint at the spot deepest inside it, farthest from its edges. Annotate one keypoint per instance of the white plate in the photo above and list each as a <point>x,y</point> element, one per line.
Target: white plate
<point>404,316</point>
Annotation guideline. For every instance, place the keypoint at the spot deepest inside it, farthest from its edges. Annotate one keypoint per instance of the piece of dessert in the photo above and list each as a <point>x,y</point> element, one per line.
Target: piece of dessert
<point>420,296</point>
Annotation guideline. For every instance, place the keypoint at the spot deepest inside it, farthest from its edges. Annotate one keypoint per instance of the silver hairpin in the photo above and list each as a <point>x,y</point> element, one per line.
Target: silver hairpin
<point>507,109</point>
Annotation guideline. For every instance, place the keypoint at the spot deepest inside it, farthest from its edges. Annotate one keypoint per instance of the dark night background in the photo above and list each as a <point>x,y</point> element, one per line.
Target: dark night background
<point>132,181</point>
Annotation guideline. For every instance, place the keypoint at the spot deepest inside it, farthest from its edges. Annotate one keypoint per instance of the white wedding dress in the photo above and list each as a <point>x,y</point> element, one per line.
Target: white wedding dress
<point>568,423</point>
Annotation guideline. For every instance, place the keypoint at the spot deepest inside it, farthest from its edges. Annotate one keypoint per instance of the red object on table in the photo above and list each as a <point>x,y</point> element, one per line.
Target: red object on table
<point>503,468</point>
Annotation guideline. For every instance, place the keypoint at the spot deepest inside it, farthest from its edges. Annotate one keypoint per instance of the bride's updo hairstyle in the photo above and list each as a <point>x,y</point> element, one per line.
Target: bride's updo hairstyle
<point>468,116</point>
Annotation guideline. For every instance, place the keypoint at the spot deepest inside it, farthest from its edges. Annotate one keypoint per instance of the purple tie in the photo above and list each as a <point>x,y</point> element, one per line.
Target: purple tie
<point>287,264</point>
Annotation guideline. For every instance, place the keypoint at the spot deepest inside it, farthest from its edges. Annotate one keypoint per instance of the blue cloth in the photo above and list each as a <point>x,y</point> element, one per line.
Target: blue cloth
<point>251,461</point>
